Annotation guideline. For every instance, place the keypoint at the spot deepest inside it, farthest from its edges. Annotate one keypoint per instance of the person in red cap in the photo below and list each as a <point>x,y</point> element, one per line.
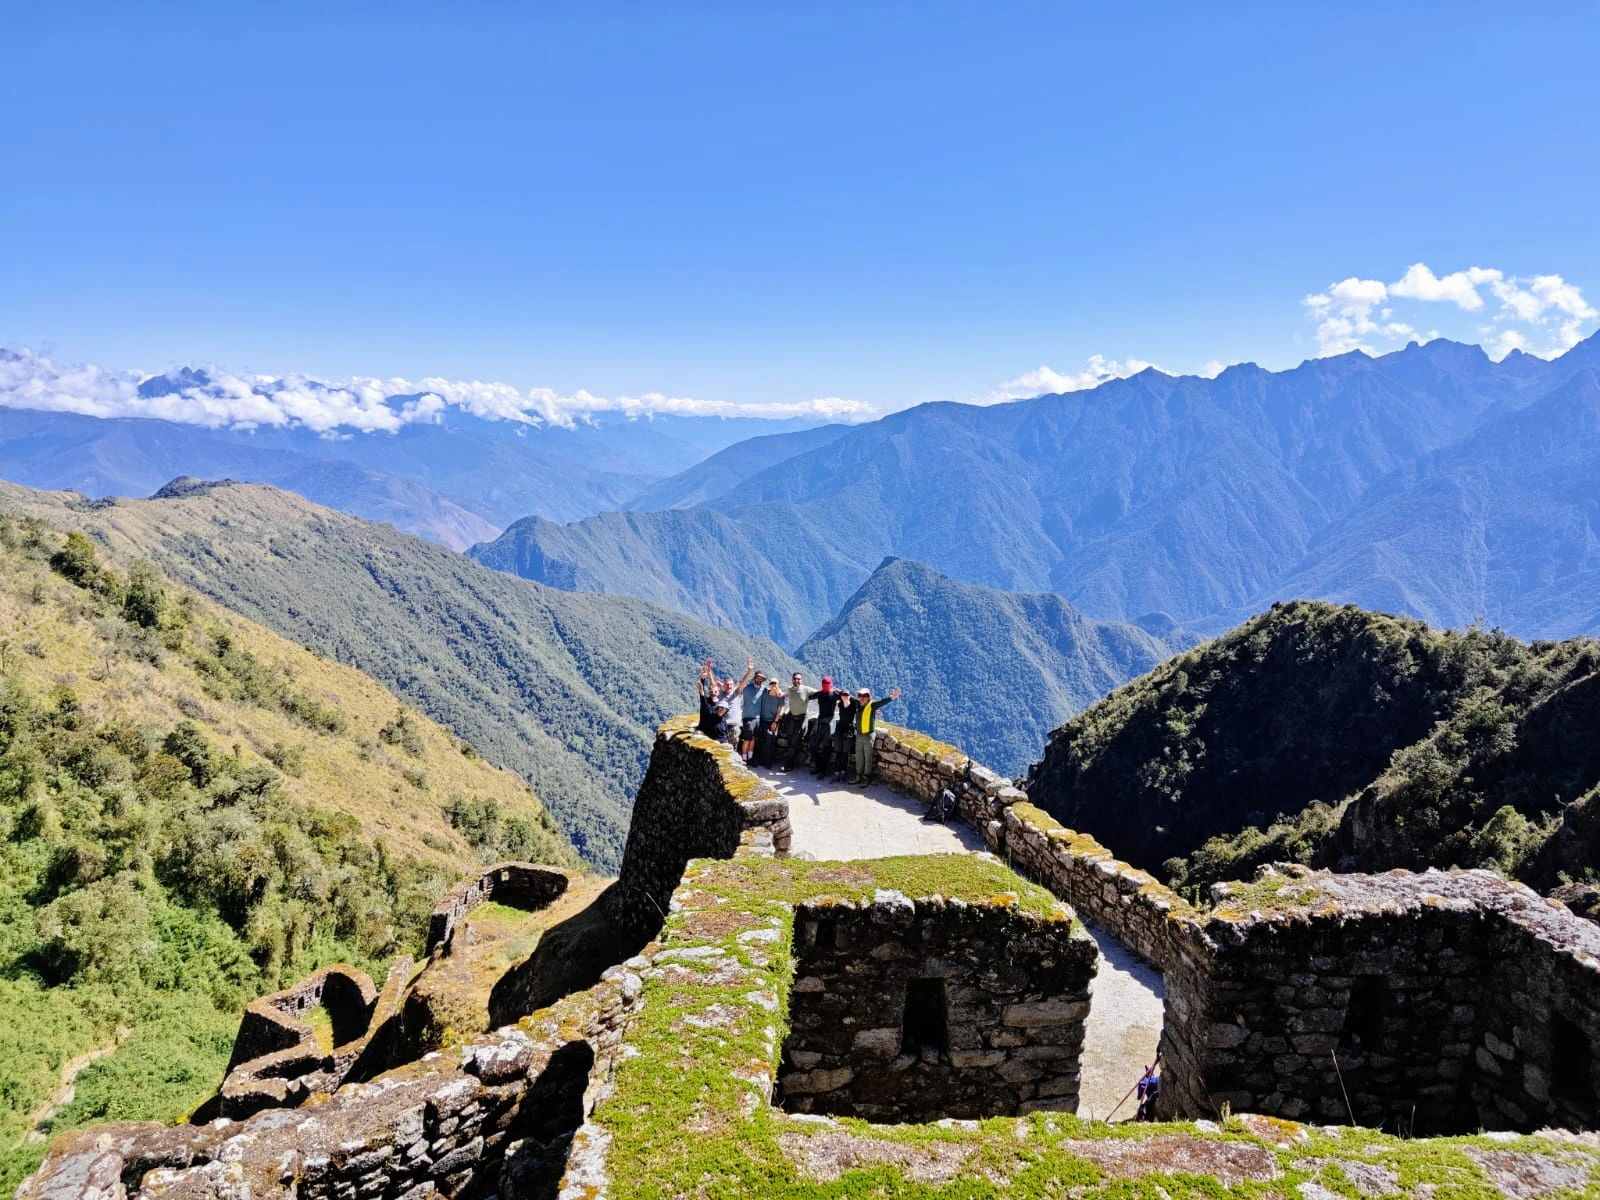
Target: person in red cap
<point>821,743</point>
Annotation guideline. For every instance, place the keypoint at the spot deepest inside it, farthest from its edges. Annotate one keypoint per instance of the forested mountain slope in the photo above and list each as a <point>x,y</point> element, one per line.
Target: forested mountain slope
<point>1346,738</point>
<point>992,672</point>
<point>764,569</point>
<point>194,811</point>
<point>565,689</point>
<point>1351,478</point>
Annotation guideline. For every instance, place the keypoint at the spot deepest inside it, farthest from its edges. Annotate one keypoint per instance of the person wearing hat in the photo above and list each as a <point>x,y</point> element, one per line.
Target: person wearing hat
<point>821,743</point>
<point>867,731</point>
<point>713,705</point>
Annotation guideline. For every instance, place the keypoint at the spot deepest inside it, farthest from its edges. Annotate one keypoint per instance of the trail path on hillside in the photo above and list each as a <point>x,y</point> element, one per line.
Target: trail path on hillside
<point>66,1090</point>
<point>832,821</point>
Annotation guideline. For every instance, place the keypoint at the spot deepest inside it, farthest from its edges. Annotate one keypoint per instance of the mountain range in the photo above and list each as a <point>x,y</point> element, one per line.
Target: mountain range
<point>1432,481</point>
<point>455,479</point>
<point>564,689</point>
<point>992,672</point>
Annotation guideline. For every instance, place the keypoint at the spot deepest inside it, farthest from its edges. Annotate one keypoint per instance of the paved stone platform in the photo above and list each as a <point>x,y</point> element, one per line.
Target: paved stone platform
<point>831,820</point>
<point>1123,1030</point>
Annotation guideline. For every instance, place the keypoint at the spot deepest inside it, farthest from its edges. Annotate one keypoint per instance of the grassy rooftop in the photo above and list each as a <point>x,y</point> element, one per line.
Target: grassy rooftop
<point>690,1114</point>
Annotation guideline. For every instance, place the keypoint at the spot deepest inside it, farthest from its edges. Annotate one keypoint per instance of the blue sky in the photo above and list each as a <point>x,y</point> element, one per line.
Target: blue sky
<point>760,204</point>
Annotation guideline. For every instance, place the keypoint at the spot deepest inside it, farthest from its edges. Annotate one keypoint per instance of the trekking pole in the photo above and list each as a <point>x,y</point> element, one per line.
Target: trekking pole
<point>1121,1102</point>
<point>1133,1089</point>
<point>1340,1075</point>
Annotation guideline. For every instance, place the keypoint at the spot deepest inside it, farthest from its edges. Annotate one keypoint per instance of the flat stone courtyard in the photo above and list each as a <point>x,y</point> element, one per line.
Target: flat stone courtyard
<point>833,821</point>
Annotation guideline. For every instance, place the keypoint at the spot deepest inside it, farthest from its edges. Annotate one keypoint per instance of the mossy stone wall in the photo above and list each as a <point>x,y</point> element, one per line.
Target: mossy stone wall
<point>910,1010</point>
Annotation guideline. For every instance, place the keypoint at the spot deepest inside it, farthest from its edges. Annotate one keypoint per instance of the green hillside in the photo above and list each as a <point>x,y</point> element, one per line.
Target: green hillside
<point>992,672</point>
<point>195,811</point>
<point>564,689</point>
<point>1344,738</point>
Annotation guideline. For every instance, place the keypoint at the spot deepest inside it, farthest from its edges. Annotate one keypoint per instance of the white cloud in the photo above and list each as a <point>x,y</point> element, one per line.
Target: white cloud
<point>1542,314</point>
<point>216,398</point>
<point>1047,380</point>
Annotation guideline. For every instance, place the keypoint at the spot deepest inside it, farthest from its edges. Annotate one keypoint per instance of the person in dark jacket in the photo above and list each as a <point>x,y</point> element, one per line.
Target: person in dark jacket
<point>797,708</point>
<point>822,729</point>
<point>867,731</point>
<point>713,705</point>
<point>844,735</point>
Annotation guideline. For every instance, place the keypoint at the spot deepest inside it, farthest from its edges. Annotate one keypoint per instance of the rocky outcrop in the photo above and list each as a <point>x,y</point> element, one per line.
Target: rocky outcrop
<point>698,800</point>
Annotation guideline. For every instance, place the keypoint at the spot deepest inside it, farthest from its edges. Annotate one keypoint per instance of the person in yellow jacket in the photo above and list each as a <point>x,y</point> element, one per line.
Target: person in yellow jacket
<point>866,719</point>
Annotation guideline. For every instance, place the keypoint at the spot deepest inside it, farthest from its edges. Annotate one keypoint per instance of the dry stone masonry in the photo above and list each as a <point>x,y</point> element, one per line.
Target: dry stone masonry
<point>518,884</point>
<point>909,1010</point>
<point>1131,904</point>
<point>1452,1001</point>
<point>492,1117</point>
<point>698,800</point>
<point>1441,1002</point>
<point>913,988</point>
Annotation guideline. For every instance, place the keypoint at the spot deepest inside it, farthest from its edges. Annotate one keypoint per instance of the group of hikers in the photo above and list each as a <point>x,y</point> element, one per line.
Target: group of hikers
<point>771,725</point>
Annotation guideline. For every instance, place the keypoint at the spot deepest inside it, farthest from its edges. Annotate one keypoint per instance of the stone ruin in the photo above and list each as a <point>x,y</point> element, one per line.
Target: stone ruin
<point>1442,1002</point>
<point>278,1061</point>
<point>910,1010</point>
<point>1439,1002</point>
<point>521,885</point>
<point>277,1057</point>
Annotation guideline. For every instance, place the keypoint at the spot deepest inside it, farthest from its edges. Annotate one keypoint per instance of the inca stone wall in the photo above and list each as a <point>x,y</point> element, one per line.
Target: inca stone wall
<point>489,1118</point>
<point>1139,911</point>
<point>276,1058</point>
<point>1452,1001</point>
<point>1441,1002</point>
<point>907,1010</point>
<point>698,800</point>
<point>519,884</point>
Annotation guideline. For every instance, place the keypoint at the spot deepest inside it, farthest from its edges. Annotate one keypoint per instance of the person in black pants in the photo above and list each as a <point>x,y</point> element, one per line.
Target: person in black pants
<point>772,706</point>
<point>844,735</point>
<point>821,744</point>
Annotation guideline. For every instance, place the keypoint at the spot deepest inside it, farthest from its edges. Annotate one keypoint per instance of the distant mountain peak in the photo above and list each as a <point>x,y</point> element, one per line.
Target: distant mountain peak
<point>188,485</point>
<point>173,382</point>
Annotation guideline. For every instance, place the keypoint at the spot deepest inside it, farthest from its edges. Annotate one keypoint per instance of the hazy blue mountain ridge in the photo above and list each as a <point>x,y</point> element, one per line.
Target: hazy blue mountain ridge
<point>992,672</point>
<point>726,470</point>
<point>1204,499</point>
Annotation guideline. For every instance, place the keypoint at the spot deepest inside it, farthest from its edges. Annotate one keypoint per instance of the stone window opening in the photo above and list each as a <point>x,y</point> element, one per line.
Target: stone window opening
<point>926,1029</point>
<point>1570,1064</point>
<point>1364,1014</point>
<point>825,935</point>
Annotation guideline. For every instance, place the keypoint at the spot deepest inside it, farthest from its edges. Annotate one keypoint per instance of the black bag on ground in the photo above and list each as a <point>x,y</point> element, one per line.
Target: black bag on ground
<point>943,808</point>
